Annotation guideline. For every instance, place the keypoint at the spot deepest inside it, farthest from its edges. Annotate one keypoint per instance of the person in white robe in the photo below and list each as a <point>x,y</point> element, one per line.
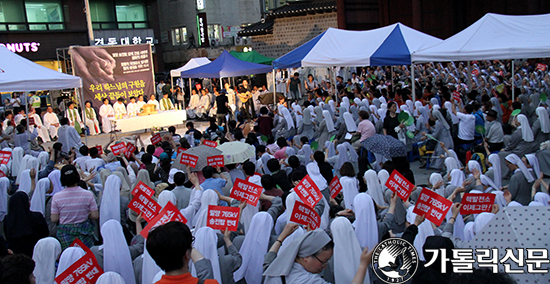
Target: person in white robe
<point>154,101</point>
<point>140,103</point>
<point>68,136</point>
<point>133,107</point>
<point>194,103</point>
<point>51,122</point>
<point>166,103</point>
<point>230,97</point>
<point>42,130</point>
<point>204,104</point>
<point>116,254</point>
<point>120,108</point>
<point>9,115</point>
<point>106,111</point>
<point>45,254</point>
<point>91,119</point>
<point>74,117</point>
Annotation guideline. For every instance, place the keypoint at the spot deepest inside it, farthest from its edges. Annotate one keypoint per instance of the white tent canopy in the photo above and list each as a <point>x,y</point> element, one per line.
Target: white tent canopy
<point>494,37</point>
<point>191,64</point>
<point>18,74</point>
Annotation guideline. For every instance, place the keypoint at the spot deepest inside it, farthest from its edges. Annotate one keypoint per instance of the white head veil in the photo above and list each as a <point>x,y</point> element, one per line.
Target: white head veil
<point>373,187</point>
<point>469,231</point>
<point>435,178</point>
<point>328,120</point>
<point>205,242</point>
<point>514,159</point>
<point>116,254</point>
<point>209,197</point>
<point>366,226</point>
<point>347,251</point>
<point>495,165</point>
<point>55,178</point>
<point>534,162</point>
<point>16,160</point>
<point>526,132</point>
<point>315,174</point>
<point>69,256</point>
<point>350,123</point>
<point>45,254</point>
<point>43,159</point>
<point>451,164</point>
<point>473,164</point>
<point>543,198</point>
<point>481,220</point>
<point>25,181</point>
<point>306,119</point>
<point>488,182</point>
<point>167,196</point>
<point>288,117</point>
<point>4,186</point>
<point>249,211</point>
<point>342,155</point>
<point>110,200</point>
<point>110,278</point>
<point>38,200</point>
<point>383,177</point>
<point>254,247</point>
<point>457,177</point>
<point>424,231</point>
<point>542,113</point>
<point>306,151</point>
<point>349,190</point>
<point>149,268</point>
<point>330,147</point>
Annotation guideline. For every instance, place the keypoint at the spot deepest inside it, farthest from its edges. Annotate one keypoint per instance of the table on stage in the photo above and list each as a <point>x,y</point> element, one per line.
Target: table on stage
<point>161,119</point>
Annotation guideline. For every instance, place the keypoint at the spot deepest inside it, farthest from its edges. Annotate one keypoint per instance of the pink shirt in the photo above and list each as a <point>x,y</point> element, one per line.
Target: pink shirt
<point>280,154</point>
<point>366,128</point>
<point>73,204</point>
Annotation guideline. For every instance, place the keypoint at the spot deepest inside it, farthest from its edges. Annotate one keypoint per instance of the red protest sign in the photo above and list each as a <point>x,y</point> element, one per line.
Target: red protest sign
<point>130,149</point>
<point>542,67</point>
<point>308,192</point>
<point>475,203</point>
<point>143,188</point>
<point>5,157</point>
<point>221,217</point>
<point>215,161</point>
<point>2,174</point>
<point>210,143</point>
<point>118,148</point>
<point>31,121</point>
<point>456,96</point>
<point>246,191</point>
<point>141,203</point>
<point>475,72</point>
<point>168,214</point>
<point>84,270</point>
<point>156,139</point>
<point>302,214</point>
<point>400,185</point>
<point>79,244</point>
<point>181,150</point>
<point>433,205</point>
<point>188,159</point>
<point>335,186</point>
<point>99,149</point>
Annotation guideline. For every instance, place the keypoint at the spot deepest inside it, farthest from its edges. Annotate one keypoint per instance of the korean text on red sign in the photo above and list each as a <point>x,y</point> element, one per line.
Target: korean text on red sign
<point>188,159</point>
<point>99,149</point>
<point>84,270</point>
<point>246,191</point>
<point>215,161</point>
<point>308,192</point>
<point>155,139</point>
<point>79,244</point>
<point>302,214</point>
<point>433,205</point>
<point>143,188</point>
<point>31,121</point>
<point>221,217</point>
<point>400,185</point>
<point>5,157</point>
<point>181,150</point>
<point>335,187</point>
<point>475,203</point>
<point>168,214</point>
<point>456,96</point>
<point>118,148</point>
<point>210,143</point>
<point>141,203</point>
<point>130,148</point>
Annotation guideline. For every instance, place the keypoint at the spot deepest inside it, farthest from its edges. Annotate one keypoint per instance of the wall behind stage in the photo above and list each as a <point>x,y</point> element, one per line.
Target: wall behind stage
<point>114,72</point>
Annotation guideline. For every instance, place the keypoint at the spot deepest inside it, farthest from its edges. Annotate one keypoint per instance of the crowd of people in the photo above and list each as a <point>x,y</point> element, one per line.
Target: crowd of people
<point>476,137</point>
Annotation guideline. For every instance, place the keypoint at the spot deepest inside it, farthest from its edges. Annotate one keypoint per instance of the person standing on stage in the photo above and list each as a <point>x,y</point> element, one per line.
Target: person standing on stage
<point>154,101</point>
<point>74,118</point>
<point>246,100</point>
<point>51,121</point>
<point>132,107</point>
<point>91,119</point>
<point>140,103</point>
<point>166,103</point>
<point>106,111</point>
<point>120,108</point>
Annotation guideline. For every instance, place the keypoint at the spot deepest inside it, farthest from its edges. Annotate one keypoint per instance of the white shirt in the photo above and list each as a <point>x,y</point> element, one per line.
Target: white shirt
<point>18,118</point>
<point>50,118</point>
<point>195,101</point>
<point>466,126</point>
<point>106,110</point>
<point>95,163</point>
<point>155,102</point>
<point>120,109</point>
<point>140,104</point>
<point>81,161</point>
<point>132,108</point>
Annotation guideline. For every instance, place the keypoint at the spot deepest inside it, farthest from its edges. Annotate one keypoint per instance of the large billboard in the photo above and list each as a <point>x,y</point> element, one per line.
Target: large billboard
<point>114,72</point>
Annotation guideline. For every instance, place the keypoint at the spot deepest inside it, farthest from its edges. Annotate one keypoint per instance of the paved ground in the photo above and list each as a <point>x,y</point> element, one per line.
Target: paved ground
<point>421,175</point>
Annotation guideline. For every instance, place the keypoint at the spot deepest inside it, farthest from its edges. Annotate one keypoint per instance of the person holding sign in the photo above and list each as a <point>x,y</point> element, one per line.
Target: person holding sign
<point>170,247</point>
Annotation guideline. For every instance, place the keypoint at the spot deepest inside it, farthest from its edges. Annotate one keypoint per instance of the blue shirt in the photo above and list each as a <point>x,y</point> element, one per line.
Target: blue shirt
<point>216,184</point>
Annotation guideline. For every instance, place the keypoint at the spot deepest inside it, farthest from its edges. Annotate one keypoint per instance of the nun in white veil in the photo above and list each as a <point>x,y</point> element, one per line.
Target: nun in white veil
<point>26,183</point>
<point>45,255</point>
<point>325,128</point>
<point>16,160</point>
<point>285,124</point>
<point>205,242</point>
<point>116,254</point>
<point>38,200</point>
<point>69,256</point>
<point>424,231</point>
<point>350,189</point>
<point>305,126</point>
<point>374,188</point>
<point>347,251</point>
<point>209,197</point>
<point>110,200</point>
<point>110,278</point>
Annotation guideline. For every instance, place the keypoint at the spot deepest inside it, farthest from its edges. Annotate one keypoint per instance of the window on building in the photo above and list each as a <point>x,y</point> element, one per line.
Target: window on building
<point>32,15</point>
<point>120,14</point>
<point>179,36</point>
<point>214,32</point>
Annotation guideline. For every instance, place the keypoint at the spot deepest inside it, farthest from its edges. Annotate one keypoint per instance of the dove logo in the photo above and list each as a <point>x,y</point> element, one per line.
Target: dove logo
<point>394,260</point>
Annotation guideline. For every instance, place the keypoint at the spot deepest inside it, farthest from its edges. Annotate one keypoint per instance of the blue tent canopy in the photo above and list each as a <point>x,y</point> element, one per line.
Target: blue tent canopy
<point>226,66</point>
<point>390,45</point>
